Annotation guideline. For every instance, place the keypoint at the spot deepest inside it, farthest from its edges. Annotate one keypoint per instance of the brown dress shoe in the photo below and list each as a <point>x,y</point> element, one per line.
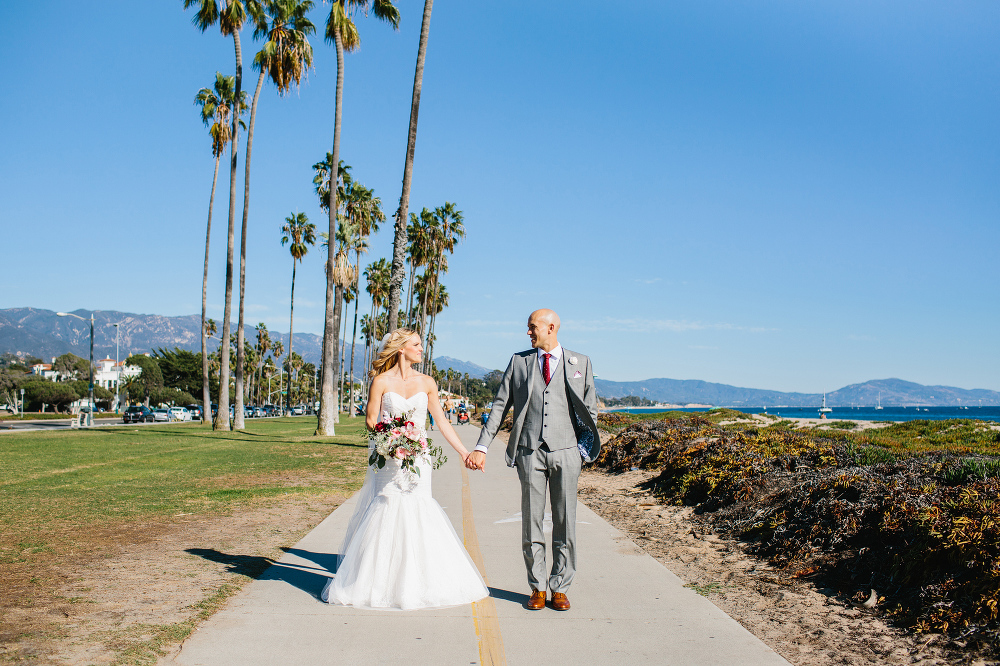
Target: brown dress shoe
<point>559,601</point>
<point>537,600</point>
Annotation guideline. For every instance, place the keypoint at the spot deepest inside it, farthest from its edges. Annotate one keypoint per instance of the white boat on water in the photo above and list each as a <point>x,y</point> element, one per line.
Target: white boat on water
<point>879,405</point>
<point>824,409</point>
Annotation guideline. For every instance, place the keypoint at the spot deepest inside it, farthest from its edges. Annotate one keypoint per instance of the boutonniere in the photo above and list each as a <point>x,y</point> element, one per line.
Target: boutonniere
<point>572,360</point>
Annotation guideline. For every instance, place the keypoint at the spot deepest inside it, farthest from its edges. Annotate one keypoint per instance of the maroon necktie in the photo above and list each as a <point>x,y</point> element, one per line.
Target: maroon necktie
<point>545,368</point>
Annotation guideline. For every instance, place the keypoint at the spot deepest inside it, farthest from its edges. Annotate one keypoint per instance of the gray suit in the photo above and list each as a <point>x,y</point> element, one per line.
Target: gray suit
<point>554,431</point>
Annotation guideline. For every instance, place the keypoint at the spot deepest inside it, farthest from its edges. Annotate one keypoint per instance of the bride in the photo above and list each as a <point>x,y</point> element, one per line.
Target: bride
<point>401,551</point>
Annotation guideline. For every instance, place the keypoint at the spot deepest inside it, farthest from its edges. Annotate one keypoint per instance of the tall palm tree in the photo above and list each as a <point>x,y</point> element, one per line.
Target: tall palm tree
<point>341,30</point>
<point>440,301</point>
<point>399,240</point>
<point>301,233</point>
<point>284,58</point>
<point>418,249</point>
<point>230,18</point>
<point>216,105</point>
<point>450,222</point>
<point>363,211</point>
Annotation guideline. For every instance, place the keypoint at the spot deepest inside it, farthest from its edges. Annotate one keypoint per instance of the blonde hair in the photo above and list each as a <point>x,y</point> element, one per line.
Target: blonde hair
<point>388,355</point>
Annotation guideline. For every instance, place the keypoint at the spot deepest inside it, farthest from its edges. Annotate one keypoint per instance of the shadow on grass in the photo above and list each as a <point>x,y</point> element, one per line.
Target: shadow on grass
<point>306,578</point>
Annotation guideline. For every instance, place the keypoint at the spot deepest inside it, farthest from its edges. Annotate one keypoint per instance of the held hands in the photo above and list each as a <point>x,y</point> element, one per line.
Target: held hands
<point>476,460</point>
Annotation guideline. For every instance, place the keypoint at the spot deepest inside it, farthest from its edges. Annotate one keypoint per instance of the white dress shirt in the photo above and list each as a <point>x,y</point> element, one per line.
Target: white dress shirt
<point>556,353</point>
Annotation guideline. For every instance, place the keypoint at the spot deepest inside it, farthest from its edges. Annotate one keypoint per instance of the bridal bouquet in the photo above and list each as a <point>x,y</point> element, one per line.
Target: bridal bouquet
<point>400,438</point>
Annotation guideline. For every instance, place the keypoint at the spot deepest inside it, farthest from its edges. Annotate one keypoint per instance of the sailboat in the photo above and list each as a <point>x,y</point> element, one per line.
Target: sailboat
<point>824,409</point>
<point>879,405</point>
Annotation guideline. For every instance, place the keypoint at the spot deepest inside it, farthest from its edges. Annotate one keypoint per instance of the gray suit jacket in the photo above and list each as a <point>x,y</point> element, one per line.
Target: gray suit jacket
<point>515,392</point>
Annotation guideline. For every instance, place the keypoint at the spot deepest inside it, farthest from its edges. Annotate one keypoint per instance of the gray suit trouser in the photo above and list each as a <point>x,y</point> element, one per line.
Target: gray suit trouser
<point>560,471</point>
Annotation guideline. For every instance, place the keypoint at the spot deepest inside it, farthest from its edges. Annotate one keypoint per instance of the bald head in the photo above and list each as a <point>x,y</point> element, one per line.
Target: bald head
<point>543,327</point>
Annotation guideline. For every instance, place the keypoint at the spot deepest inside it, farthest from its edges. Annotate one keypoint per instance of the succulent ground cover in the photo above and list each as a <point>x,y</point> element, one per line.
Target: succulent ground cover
<point>903,520</point>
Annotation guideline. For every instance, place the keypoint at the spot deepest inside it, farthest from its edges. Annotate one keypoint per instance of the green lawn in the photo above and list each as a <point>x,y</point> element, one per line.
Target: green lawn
<point>58,485</point>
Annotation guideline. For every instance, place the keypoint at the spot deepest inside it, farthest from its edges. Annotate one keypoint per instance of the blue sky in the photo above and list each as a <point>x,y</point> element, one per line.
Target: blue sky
<point>784,195</point>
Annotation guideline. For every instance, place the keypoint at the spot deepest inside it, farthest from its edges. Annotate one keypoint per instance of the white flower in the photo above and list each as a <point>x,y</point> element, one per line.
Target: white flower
<point>572,360</point>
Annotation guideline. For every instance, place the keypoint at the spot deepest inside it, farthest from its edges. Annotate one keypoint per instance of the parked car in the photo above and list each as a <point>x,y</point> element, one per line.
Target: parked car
<point>195,411</point>
<point>298,410</point>
<point>161,414</point>
<point>137,414</point>
<point>179,414</point>
<point>259,412</point>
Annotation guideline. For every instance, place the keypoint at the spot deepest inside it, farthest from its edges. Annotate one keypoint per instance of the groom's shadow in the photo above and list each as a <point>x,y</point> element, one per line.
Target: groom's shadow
<point>309,579</point>
<point>507,595</point>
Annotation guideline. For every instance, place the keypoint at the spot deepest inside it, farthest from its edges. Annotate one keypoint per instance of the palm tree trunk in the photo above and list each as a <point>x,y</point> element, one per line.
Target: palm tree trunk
<point>354,337</point>
<point>399,241</point>
<point>409,294</point>
<point>222,418</point>
<point>343,337</point>
<point>291,326</point>
<point>325,422</point>
<point>240,351</point>
<point>206,398</point>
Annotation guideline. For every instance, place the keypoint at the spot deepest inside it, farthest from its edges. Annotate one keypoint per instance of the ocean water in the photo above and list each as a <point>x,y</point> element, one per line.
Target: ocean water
<point>853,413</point>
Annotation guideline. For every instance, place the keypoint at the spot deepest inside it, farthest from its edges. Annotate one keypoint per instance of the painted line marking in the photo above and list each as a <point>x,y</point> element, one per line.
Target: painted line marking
<point>484,613</point>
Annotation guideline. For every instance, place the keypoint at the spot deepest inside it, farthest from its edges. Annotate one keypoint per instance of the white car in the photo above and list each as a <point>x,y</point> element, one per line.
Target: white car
<point>298,410</point>
<point>161,414</point>
<point>179,414</point>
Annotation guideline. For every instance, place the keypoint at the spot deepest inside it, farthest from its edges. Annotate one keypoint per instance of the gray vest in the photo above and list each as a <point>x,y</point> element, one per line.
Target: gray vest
<point>549,415</point>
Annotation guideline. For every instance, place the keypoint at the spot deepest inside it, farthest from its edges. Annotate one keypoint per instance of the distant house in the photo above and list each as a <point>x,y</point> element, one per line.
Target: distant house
<point>45,370</point>
<point>109,373</point>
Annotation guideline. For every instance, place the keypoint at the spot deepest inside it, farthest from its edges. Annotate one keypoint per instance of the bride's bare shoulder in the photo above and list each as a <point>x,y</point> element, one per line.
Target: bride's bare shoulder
<point>427,383</point>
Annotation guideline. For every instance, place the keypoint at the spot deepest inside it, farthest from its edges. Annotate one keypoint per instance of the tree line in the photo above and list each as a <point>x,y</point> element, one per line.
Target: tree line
<point>354,213</point>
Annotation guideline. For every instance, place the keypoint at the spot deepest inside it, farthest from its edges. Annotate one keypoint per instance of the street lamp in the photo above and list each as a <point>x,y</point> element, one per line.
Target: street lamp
<point>118,371</point>
<point>90,414</point>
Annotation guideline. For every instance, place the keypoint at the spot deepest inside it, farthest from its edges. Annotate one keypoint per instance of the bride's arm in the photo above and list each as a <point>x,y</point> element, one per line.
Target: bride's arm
<point>434,407</point>
<point>374,406</point>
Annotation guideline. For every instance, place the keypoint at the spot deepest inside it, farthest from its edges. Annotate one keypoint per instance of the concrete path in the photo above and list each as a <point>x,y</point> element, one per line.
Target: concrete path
<point>627,608</point>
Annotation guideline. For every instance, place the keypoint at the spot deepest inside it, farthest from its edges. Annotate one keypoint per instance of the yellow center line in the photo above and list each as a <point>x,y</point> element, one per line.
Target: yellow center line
<point>484,613</point>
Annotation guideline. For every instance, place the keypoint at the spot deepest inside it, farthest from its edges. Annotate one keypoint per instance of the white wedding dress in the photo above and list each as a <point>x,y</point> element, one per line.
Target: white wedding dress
<point>401,551</point>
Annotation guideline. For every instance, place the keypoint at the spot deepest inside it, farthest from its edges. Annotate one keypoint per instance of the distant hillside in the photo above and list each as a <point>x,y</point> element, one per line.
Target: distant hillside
<point>41,333</point>
<point>444,362</point>
<point>895,392</point>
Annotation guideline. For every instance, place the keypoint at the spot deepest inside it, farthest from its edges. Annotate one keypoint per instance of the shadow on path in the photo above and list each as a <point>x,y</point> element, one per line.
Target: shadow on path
<point>308,579</point>
<point>507,595</point>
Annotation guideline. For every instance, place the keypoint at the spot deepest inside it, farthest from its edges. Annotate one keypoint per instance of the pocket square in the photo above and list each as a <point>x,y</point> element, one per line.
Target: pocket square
<point>578,375</point>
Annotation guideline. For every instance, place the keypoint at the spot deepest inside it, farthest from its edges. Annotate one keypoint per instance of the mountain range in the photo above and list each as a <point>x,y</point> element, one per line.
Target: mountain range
<point>894,392</point>
<point>38,332</point>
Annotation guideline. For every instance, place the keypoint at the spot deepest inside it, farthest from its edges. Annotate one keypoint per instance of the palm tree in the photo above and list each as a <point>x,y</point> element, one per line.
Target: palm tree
<point>216,106</point>
<point>340,30</point>
<point>301,233</point>
<point>230,18</point>
<point>450,222</point>
<point>285,57</point>
<point>367,333</point>
<point>399,240</point>
<point>363,210</point>
<point>440,301</point>
<point>263,347</point>
<point>418,249</point>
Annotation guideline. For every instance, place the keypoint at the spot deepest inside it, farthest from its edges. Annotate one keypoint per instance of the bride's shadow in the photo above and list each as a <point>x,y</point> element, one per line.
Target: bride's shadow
<point>307,578</point>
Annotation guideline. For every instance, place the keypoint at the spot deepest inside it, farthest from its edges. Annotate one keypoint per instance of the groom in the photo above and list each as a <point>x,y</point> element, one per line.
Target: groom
<point>555,409</point>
